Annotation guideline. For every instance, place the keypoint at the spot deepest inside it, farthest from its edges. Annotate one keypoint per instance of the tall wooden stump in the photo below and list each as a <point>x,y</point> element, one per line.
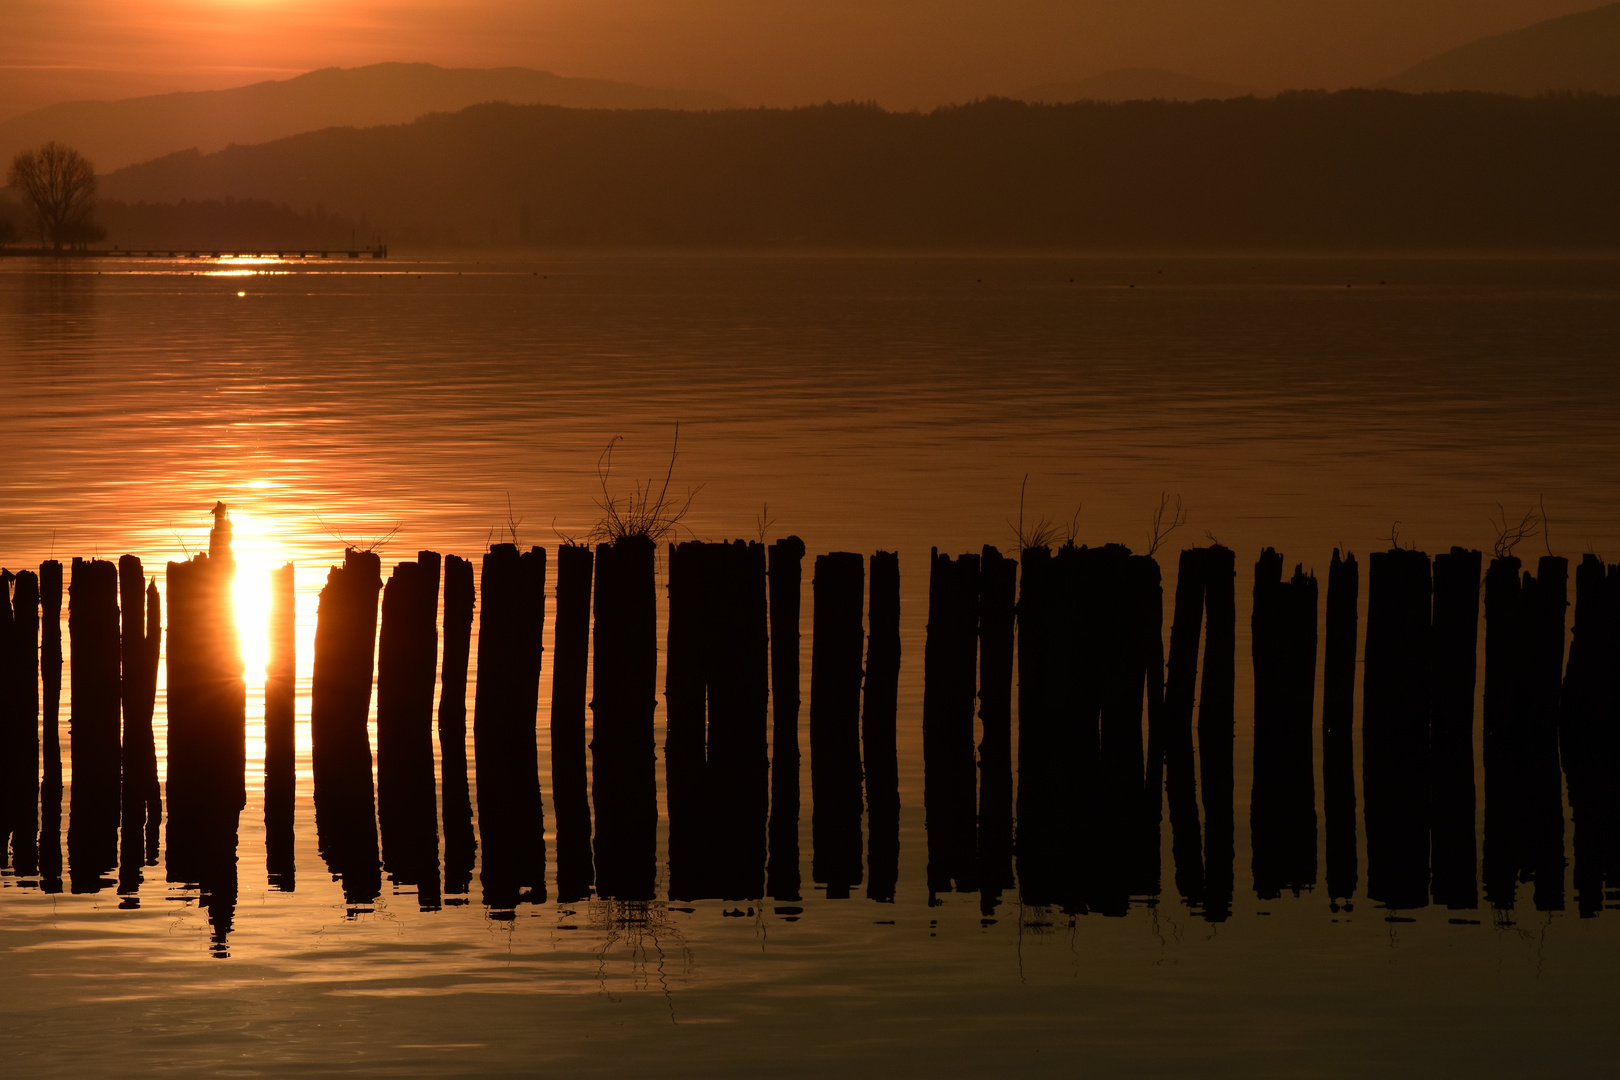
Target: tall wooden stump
<point>280,737</point>
<point>1180,691</point>
<point>623,699</point>
<point>949,669</point>
<point>1216,728</point>
<point>1455,643</point>
<point>835,710</point>
<point>207,709</point>
<point>50,676</point>
<point>785,572</point>
<point>1146,614</point>
<point>1546,602</point>
<point>1503,737</point>
<point>570,791</point>
<point>1041,824</point>
<point>94,727</point>
<point>1395,728</point>
<point>691,840</point>
<point>140,648</point>
<point>407,656</point>
<point>1113,653</point>
<point>879,721</point>
<point>340,703</point>
<point>1585,734</point>
<point>739,697</point>
<point>1338,726</point>
<point>1283,803</point>
<point>460,847</point>
<point>19,722</point>
<point>511,821</point>
<point>998,598</point>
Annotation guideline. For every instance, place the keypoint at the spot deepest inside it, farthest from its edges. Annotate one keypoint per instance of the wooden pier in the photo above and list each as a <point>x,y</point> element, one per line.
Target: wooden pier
<point>379,251</point>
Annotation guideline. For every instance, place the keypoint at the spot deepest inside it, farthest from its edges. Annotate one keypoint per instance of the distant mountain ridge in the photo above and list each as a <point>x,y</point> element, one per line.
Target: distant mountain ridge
<point>1579,52</point>
<point>1133,84</point>
<point>113,134</point>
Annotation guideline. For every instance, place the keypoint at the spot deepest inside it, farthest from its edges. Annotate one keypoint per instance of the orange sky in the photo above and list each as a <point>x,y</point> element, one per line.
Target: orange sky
<point>903,53</point>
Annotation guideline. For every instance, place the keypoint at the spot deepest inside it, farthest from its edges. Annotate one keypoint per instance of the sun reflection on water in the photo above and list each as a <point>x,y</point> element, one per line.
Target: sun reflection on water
<point>257,541</point>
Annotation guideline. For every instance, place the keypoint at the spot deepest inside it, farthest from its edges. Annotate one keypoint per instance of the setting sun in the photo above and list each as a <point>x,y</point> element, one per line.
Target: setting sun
<point>256,540</point>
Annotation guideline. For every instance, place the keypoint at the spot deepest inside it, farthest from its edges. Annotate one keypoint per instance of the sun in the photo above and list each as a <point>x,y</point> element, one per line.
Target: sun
<point>256,543</point>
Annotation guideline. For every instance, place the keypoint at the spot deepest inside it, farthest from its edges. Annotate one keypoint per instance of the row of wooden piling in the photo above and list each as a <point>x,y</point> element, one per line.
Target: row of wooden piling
<point>1083,830</point>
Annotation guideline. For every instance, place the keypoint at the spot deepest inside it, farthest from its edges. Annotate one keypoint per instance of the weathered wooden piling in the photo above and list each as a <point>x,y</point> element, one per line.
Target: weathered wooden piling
<point>739,698</point>
<point>1217,727</point>
<point>1504,695</point>
<point>1546,602</point>
<point>407,656</point>
<point>1589,708</point>
<point>880,710</point>
<point>623,759</point>
<point>1454,645</point>
<point>1180,691</point>
<point>1043,822</point>
<point>1148,668</point>
<point>460,846</point>
<point>280,742</point>
<point>140,649</point>
<point>691,842</point>
<point>835,710</point>
<point>1283,802</point>
<point>1299,655</point>
<point>998,601</point>
<point>570,791</point>
<point>1338,726</point>
<point>950,663</point>
<point>1117,669</point>
<point>19,721</point>
<point>340,703</point>
<point>1074,743</point>
<point>785,572</point>
<point>511,821</point>
<point>93,723</point>
<point>1395,728</point>
<point>50,677</point>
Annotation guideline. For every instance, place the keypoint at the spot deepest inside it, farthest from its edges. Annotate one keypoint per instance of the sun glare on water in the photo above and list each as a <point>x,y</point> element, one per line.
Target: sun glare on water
<point>256,540</point>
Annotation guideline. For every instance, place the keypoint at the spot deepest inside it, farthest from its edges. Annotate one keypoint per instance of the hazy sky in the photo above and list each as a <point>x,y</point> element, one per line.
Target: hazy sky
<point>903,53</point>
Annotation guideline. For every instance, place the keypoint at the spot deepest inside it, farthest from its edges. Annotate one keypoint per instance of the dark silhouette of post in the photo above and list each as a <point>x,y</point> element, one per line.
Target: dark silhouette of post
<point>1395,728</point>
<point>1585,730</point>
<point>1113,650</point>
<point>1282,812</point>
<point>835,710</point>
<point>94,722</point>
<point>998,600</point>
<point>691,841</point>
<point>879,722</point>
<point>340,703</point>
<point>511,825</point>
<point>207,699</point>
<point>1338,726</point>
<point>1504,762</point>
<point>623,699</point>
<point>1044,820</point>
<point>570,792</point>
<point>407,656</point>
<point>1454,645</point>
<point>739,697</point>
<point>1180,690</point>
<point>1217,727</point>
<point>950,663</point>
<point>19,721</point>
<point>280,736</point>
<point>50,677</point>
<point>785,573</point>
<point>1546,602</point>
<point>1146,615</point>
<point>460,846</point>
<point>140,648</point>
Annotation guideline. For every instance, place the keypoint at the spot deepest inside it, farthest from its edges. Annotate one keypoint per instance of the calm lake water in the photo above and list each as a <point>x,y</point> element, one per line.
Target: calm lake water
<point>862,403</point>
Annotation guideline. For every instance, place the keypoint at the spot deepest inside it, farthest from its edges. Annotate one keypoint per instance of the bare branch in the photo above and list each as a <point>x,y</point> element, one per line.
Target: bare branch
<point>1510,534</point>
<point>1161,531</point>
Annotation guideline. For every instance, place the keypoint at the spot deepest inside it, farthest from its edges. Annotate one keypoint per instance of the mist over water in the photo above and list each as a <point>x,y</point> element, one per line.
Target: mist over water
<point>862,403</point>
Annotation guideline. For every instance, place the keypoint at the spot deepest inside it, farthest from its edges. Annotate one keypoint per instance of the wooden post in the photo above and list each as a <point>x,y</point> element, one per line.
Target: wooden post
<point>739,693</point>
<point>570,793</point>
<point>511,822</point>
<point>1589,705</point>
<point>1338,725</point>
<point>1395,728</point>
<point>94,728</point>
<point>623,700</point>
<point>1180,691</point>
<point>835,709</point>
<point>879,722</point>
<point>19,723</point>
<point>1455,643</point>
<point>950,662</point>
<point>1268,632</point>
<point>280,736</point>
<point>1546,601</point>
<point>691,840</point>
<point>1113,651</point>
<point>50,673</point>
<point>1504,693</point>
<point>785,573</point>
<point>998,600</point>
<point>1040,720</point>
<point>140,648</point>
<point>340,703</point>
<point>1216,728</point>
<point>1299,710</point>
<point>1146,614</point>
<point>407,654</point>
<point>460,846</point>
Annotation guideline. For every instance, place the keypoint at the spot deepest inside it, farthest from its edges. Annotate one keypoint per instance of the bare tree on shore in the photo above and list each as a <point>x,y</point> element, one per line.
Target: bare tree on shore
<point>60,185</point>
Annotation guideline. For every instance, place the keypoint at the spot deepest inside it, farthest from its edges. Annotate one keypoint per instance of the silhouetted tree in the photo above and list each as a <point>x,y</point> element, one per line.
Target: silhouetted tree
<point>61,185</point>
